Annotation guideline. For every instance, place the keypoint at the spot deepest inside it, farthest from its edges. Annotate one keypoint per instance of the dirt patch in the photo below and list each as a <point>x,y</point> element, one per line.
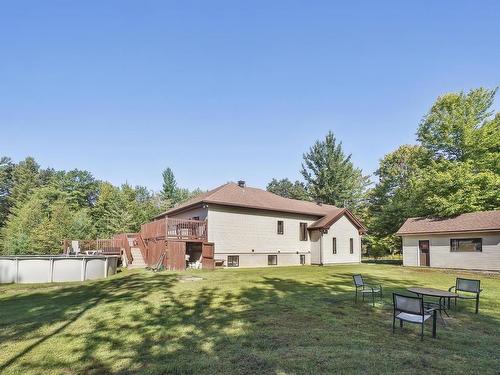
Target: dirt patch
<point>189,278</point>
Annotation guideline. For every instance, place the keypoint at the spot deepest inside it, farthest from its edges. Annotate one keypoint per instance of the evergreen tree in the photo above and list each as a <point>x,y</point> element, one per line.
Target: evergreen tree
<point>331,176</point>
<point>6,168</point>
<point>288,189</point>
<point>169,191</point>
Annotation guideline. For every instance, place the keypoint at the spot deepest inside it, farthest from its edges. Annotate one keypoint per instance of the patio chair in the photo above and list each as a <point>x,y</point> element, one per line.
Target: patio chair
<point>471,288</point>
<point>411,309</point>
<point>364,288</point>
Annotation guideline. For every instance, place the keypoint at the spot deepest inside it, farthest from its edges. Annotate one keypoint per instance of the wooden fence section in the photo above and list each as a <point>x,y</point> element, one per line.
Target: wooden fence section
<point>155,250</point>
<point>154,230</point>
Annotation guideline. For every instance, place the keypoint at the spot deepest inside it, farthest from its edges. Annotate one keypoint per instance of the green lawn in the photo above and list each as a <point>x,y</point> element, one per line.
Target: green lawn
<point>295,320</point>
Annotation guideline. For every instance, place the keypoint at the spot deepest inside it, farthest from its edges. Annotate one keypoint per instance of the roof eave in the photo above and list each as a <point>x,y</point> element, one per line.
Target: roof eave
<point>350,216</point>
<point>400,234</point>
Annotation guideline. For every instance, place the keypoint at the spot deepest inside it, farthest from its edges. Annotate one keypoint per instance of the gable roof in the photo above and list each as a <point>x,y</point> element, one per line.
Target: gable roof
<point>470,222</point>
<point>232,194</point>
<point>329,219</point>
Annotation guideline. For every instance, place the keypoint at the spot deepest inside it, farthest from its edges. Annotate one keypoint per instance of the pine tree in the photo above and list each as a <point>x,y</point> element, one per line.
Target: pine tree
<point>169,192</point>
<point>331,176</point>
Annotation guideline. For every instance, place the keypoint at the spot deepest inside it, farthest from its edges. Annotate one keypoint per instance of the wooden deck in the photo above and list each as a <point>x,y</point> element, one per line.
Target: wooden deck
<point>170,236</point>
<point>176,229</point>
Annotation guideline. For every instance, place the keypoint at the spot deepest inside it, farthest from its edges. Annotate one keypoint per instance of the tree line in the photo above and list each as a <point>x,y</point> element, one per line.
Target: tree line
<point>453,168</point>
<point>41,207</point>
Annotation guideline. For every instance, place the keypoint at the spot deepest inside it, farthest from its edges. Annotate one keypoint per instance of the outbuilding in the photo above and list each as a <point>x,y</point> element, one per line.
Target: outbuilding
<point>467,241</point>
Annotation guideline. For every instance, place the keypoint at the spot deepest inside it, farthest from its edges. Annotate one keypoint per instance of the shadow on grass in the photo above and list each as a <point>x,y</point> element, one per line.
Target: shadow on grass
<point>147,323</point>
<point>395,262</point>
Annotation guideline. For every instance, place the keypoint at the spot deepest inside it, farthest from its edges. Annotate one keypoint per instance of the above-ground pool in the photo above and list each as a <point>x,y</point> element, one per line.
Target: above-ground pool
<point>54,268</point>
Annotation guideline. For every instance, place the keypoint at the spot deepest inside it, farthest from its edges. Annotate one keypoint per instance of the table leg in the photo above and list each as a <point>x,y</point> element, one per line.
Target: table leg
<point>444,306</point>
<point>434,318</point>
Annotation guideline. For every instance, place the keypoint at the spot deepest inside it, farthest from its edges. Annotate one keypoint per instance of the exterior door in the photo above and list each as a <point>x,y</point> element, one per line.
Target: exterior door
<point>207,256</point>
<point>176,255</point>
<point>423,247</point>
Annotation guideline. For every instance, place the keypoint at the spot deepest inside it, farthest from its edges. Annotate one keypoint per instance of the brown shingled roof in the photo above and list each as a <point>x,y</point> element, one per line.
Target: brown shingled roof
<point>231,194</point>
<point>470,222</point>
<point>329,219</point>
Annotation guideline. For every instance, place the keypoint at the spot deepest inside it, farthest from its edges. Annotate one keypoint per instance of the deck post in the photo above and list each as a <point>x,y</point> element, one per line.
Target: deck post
<point>51,272</point>
<point>84,269</point>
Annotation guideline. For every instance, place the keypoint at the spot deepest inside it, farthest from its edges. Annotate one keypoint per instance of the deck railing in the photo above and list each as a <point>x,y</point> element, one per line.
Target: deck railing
<point>102,246</point>
<point>180,229</point>
<point>187,229</point>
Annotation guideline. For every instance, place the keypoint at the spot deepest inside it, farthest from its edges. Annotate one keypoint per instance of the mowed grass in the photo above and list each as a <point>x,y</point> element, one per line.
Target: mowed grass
<point>293,320</point>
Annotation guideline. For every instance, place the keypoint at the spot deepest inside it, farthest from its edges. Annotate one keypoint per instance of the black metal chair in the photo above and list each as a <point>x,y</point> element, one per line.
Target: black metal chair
<point>364,288</point>
<point>471,287</point>
<point>411,309</point>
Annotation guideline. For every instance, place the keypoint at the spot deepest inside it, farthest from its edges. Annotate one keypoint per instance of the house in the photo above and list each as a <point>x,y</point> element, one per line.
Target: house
<point>250,227</point>
<point>468,241</point>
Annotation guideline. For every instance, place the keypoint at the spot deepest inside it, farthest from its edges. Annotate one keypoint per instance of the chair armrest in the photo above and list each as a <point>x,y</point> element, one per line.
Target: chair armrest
<point>451,288</point>
<point>431,309</point>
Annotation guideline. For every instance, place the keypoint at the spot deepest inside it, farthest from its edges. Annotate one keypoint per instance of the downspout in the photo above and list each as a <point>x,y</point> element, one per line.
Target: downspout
<point>321,248</point>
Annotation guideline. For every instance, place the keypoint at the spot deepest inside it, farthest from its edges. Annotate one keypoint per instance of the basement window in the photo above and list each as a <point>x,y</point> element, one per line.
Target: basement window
<point>281,227</point>
<point>272,260</point>
<point>466,244</point>
<point>233,261</point>
<point>303,231</point>
<point>302,259</point>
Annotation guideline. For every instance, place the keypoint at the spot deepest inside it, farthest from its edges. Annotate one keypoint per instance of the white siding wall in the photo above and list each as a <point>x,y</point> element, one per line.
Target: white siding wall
<point>342,230</point>
<point>441,256</point>
<point>200,212</point>
<point>238,231</point>
<point>410,251</point>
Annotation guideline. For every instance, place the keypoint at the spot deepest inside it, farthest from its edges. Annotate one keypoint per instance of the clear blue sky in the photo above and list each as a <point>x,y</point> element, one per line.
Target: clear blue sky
<point>229,90</point>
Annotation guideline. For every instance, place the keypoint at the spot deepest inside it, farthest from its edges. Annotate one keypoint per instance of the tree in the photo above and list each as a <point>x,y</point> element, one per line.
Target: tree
<point>449,188</point>
<point>81,187</point>
<point>112,212</point>
<point>389,203</point>
<point>288,189</point>
<point>455,169</point>
<point>331,176</point>
<point>25,178</point>
<point>459,127</point>
<point>169,191</point>
<point>462,133</point>
<point>6,168</point>
<point>39,224</point>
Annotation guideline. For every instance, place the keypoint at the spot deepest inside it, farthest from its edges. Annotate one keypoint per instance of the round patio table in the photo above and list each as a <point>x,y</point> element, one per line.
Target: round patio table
<point>443,295</point>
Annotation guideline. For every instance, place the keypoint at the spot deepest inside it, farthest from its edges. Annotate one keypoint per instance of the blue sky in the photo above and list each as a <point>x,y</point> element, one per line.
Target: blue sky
<point>222,91</point>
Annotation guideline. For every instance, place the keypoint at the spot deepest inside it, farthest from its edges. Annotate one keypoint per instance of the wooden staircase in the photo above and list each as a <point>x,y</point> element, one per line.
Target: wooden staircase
<point>138,260</point>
